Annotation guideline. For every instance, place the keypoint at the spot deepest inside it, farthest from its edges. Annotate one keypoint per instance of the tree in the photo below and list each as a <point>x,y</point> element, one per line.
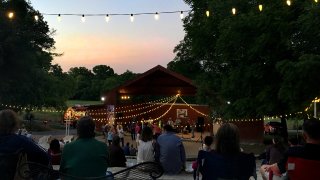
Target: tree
<point>83,82</point>
<point>25,56</point>
<point>102,71</point>
<point>253,59</point>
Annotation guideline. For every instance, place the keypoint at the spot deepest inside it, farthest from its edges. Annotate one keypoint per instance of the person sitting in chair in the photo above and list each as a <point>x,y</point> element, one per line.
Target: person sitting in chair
<point>10,143</point>
<point>310,151</point>
<point>86,156</point>
<point>227,161</point>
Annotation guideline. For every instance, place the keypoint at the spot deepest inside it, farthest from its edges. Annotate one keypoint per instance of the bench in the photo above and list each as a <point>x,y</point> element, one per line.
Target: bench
<point>145,170</point>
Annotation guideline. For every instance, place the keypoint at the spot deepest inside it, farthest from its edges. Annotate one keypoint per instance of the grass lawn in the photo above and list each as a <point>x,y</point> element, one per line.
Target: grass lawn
<point>79,102</point>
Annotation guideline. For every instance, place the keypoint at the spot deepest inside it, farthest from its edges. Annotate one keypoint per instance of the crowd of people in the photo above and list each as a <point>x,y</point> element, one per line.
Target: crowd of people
<point>220,157</point>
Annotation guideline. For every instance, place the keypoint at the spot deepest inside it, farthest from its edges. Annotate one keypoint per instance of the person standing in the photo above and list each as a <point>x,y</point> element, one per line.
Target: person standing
<point>109,136</point>
<point>86,156</point>
<point>145,146</point>
<point>170,151</point>
<point>121,134</point>
<point>133,131</point>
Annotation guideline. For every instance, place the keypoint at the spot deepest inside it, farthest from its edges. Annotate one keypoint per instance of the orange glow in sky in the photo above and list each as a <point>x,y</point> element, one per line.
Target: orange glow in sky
<point>120,44</point>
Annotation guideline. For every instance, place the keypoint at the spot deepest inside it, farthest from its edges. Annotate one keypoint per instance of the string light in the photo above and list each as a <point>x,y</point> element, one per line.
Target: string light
<point>150,102</point>
<point>36,17</point>
<point>207,13</point>
<point>181,15</point>
<point>288,2</point>
<point>83,19</point>
<point>233,11</point>
<point>107,18</point>
<point>192,107</point>
<point>316,1</point>
<point>156,16</point>
<point>10,15</point>
<point>260,7</point>
<point>131,18</point>
<point>59,18</point>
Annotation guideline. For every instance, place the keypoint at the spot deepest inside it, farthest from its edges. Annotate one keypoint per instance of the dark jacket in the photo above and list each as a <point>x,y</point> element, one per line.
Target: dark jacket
<point>117,157</point>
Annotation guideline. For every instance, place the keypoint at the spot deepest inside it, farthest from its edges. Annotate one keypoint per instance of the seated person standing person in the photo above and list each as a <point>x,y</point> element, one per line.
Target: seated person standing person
<point>310,151</point>
<point>86,156</point>
<point>10,142</point>
<point>170,151</point>
<point>117,157</point>
<point>227,161</point>
<point>54,152</point>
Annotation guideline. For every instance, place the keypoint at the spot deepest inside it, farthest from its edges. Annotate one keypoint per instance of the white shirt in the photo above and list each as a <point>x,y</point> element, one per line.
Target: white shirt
<point>120,133</point>
<point>145,151</point>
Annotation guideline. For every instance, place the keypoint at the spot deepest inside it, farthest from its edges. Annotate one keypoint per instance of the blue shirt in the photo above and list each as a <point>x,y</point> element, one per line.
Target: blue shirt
<point>11,143</point>
<point>170,153</point>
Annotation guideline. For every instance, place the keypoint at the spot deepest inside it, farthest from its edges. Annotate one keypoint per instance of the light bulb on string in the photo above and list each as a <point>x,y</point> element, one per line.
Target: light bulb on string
<point>288,2</point>
<point>233,11</point>
<point>260,7</point>
<point>208,13</point>
<point>316,1</point>
<point>10,15</point>
<point>59,18</point>
<point>83,19</point>
<point>107,18</point>
<point>36,17</point>
<point>131,18</point>
<point>156,16</point>
<point>181,14</point>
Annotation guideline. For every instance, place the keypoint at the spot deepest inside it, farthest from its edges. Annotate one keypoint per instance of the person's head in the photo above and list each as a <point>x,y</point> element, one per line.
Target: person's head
<point>208,140</point>
<point>116,140</point>
<point>311,131</point>
<point>227,139</point>
<point>168,128</point>
<point>9,121</point>
<point>146,134</point>
<point>85,127</point>
<point>128,144</point>
<point>55,145</point>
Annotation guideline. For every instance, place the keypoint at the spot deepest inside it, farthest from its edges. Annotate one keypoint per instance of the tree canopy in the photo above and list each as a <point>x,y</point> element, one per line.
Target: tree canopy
<point>263,63</point>
<point>26,48</point>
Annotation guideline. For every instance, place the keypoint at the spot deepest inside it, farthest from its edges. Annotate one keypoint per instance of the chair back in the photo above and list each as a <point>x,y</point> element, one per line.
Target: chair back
<point>299,168</point>
<point>8,164</point>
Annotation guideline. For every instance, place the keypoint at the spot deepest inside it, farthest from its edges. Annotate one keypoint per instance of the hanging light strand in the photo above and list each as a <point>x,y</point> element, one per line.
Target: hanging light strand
<point>117,14</point>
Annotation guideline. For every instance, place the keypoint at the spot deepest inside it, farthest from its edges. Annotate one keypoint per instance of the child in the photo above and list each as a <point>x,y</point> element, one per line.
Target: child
<point>208,140</point>
<point>133,151</point>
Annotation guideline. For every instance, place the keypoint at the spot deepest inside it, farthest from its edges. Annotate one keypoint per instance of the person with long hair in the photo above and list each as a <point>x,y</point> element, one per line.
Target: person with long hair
<point>227,161</point>
<point>10,143</point>
<point>54,152</point>
<point>86,156</point>
<point>145,146</point>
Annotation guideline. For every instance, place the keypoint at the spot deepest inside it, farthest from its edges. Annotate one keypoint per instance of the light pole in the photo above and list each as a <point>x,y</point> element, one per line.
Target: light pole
<point>315,107</point>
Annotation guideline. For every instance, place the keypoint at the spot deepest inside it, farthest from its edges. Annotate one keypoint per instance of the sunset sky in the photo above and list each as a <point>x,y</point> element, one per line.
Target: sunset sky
<point>120,44</point>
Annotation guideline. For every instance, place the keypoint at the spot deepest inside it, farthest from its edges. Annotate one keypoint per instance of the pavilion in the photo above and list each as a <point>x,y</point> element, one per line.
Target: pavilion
<point>153,96</point>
